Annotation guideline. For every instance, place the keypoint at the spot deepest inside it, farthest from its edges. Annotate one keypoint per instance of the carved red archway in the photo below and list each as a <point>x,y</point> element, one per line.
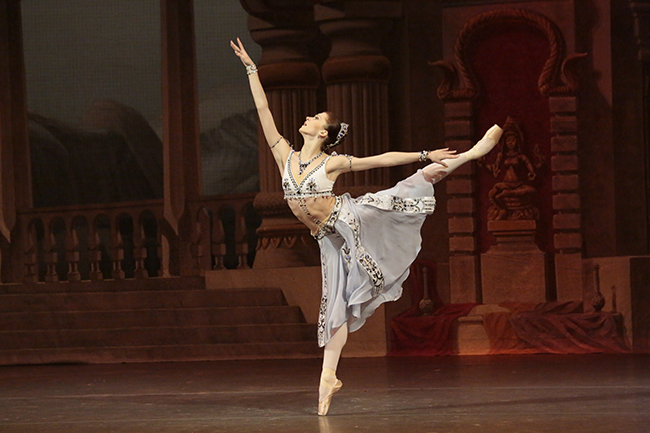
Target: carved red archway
<point>461,92</point>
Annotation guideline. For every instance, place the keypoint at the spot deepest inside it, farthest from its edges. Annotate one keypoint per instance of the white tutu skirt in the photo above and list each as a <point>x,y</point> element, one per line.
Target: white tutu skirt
<point>367,246</point>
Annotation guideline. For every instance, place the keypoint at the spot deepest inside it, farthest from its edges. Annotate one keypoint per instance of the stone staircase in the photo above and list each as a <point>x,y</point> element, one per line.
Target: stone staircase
<point>165,319</point>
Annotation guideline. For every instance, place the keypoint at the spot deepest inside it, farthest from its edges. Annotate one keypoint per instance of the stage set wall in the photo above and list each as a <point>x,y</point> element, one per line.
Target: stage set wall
<point>411,75</point>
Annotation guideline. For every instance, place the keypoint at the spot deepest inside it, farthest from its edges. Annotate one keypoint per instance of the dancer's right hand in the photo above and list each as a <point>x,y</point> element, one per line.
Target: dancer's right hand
<point>239,50</point>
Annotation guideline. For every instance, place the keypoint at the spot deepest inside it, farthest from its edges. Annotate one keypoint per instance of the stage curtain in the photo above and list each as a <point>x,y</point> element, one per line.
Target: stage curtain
<point>555,327</point>
<point>413,334</point>
<point>417,335</point>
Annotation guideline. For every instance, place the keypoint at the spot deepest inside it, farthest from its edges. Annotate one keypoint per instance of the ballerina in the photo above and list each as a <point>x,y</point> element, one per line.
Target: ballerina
<point>367,243</point>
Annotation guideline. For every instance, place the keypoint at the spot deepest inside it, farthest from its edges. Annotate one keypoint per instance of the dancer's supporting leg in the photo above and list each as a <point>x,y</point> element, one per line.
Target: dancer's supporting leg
<point>436,172</point>
<point>329,384</point>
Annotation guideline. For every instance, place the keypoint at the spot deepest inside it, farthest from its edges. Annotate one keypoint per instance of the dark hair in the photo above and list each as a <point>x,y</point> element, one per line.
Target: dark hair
<point>333,128</point>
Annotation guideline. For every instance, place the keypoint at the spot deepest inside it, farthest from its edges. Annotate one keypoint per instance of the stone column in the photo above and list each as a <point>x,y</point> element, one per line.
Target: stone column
<point>567,218</point>
<point>464,268</point>
<point>356,74</point>
<point>15,165</point>
<point>181,148</point>
<point>290,79</point>
<point>463,224</point>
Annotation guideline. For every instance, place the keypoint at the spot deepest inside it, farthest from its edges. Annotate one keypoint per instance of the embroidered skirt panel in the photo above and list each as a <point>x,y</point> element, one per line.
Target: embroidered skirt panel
<point>366,248</point>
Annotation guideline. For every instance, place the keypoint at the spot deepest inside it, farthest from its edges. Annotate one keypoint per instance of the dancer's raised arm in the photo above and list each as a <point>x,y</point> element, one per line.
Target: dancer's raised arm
<point>278,144</point>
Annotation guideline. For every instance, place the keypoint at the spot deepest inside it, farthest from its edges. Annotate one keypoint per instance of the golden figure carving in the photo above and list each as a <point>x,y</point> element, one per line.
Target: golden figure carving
<point>513,197</point>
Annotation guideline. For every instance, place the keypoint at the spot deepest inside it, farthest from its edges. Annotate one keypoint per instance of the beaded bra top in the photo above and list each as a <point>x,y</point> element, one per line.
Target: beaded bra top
<point>314,184</point>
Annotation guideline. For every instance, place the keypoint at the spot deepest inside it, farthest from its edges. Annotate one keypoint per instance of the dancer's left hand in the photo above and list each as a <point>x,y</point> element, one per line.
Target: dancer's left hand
<point>439,154</point>
<point>240,52</point>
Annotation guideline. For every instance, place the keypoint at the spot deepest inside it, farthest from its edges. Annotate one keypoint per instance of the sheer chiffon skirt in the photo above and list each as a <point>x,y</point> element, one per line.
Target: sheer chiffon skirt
<point>366,252</point>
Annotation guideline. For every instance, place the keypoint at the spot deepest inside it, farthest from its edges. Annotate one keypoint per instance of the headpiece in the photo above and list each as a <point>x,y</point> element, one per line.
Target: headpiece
<point>342,133</point>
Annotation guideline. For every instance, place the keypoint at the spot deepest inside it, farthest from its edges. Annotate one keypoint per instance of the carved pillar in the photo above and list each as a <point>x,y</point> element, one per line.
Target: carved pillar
<point>181,149</point>
<point>465,280</point>
<point>15,166</point>
<point>463,224</point>
<point>567,225</point>
<point>356,74</point>
<point>290,79</point>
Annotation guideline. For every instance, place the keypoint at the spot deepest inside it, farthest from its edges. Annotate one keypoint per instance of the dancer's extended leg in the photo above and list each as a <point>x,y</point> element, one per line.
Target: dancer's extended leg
<point>329,384</point>
<point>436,172</point>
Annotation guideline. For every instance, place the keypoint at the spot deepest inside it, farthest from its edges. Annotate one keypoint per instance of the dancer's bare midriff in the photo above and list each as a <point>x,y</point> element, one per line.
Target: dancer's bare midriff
<point>320,209</point>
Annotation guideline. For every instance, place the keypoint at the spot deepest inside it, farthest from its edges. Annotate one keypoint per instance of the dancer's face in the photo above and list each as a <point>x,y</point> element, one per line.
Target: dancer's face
<point>315,126</point>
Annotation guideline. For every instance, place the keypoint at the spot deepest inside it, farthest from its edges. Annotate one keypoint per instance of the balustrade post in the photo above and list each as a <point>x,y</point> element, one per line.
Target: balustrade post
<point>139,251</point>
<point>218,244</point>
<point>196,249</point>
<point>51,255</point>
<point>94,253</point>
<point>159,251</point>
<point>203,241</point>
<point>117,252</point>
<point>72,253</point>
<point>240,238</point>
<point>196,246</point>
<point>30,256</point>
<point>219,256</point>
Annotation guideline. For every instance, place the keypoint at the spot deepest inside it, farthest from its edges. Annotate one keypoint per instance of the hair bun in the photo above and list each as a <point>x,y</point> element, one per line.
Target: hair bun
<point>343,131</point>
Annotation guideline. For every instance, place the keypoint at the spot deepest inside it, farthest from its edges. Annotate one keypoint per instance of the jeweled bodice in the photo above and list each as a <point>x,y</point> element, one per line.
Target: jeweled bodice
<point>314,184</point>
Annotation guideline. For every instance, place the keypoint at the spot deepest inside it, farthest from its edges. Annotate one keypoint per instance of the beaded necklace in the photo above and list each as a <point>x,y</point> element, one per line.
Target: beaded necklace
<point>303,165</point>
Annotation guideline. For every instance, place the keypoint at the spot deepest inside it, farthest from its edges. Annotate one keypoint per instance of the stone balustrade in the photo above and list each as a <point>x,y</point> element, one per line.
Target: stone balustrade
<point>125,240</point>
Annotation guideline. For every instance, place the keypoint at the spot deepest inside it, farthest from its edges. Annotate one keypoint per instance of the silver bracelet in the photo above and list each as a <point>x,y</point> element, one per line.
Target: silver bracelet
<point>251,69</point>
<point>423,155</point>
<point>280,139</point>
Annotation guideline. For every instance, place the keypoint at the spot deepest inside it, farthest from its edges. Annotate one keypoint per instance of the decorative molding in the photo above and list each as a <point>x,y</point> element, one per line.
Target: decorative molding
<point>271,204</point>
<point>558,76</point>
<point>280,12</point>
<point>449,80</point>
<point>570,74</point>
<point>285,239</point>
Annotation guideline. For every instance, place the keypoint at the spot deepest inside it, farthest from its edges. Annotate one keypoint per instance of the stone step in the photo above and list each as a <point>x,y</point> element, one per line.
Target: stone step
<point>128,285</point>
<point>47,320</point>
<point>140,300</point>
<point>156,336</point>
<point>152,320</point>
<point>186,352</point>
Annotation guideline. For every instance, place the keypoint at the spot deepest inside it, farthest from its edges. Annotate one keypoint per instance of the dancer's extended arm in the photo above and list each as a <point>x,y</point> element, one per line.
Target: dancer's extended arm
<point>279,146</point>
<point>344,164</point>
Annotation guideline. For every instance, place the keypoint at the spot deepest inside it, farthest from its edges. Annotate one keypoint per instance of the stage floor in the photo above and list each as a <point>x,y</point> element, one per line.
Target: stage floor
<point>533,393</point>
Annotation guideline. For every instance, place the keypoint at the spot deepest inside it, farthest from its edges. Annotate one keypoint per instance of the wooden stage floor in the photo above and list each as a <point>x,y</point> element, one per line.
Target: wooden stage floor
<point>532,393</point>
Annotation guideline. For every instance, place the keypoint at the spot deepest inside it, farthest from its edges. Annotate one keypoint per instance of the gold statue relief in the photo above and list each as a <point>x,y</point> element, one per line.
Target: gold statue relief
<point>513,197</point>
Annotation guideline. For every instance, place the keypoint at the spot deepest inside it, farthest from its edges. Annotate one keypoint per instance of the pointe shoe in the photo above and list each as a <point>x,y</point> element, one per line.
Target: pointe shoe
<point>485,144</point>
<point>324,405</point>
<point>494,132</point>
